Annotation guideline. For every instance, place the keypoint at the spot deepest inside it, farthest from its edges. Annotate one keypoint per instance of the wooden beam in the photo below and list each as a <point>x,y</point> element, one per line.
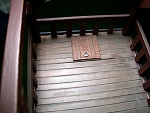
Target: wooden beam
<point>146,85</point>
<point>134,43</point>
<point>11,82</point>
<point>29,73</point>
<point>143,68</point>
<point>41,20</point>
<point>139,55</point>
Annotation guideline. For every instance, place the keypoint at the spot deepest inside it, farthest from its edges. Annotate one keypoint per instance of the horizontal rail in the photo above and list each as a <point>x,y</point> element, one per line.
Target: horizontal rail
<point>11,83</point>
<point>82,17</point>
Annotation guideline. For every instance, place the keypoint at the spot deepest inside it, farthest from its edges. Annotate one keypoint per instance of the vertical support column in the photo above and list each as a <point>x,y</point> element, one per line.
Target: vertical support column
<point>96,28</point>
<point>31,80</point>
<point>29,73</point>
<point>148,102</point>
<point>33,23</point>
<point>133,14</point>
<point>53,30</point>
<point>83,28</point>
<point>111,26</point>
<point>23,104</point>
<point>69,28</point>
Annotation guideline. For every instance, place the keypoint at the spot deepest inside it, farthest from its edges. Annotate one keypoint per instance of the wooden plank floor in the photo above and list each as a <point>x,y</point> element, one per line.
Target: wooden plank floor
<point>108,85</point>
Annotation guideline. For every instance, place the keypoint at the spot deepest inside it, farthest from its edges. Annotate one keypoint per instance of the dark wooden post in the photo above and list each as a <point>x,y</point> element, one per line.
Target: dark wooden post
<point>69,28</point>
<point>53,30</point>
<point>83,28</point>
<point>96,27</point>
<point>131,22</point>
<point>33,23</point>
<point>111,26</point>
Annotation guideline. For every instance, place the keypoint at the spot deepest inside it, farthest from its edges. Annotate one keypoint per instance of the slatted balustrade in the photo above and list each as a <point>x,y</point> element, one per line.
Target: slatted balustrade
<point>83,21</point>
<point>145,51</point>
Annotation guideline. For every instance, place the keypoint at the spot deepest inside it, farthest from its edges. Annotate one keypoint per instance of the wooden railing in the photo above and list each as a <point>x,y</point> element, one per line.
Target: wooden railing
<point>12,95</point>
<point>83,20</point>
<point>12,99</point>
<point>141,43</point>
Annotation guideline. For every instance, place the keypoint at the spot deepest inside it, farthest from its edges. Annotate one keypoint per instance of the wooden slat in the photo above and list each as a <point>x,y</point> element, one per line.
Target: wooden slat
<point>69,28</point>
<point>146,85</point>
<point>34,66</point>
<point>87,76</point>
<point>111,46</point>
<point>104,54</point>
<point>86,83</point>
<point>88,90</point>
<point>135,110</point>
<point>91,103</point>
<point>92,96</point>
<point>85,64</point>
<point>82,17</point>
<point>139,55</point>
<point>83,28</point>
<point>134,43</point>
<point>34,111</point>
<point>69,59</point>
<point>35,81</point>
<point>109,108</point>
<point>11,80</point>
<point>148,102</point>
<point>29,73</point>
<point>143,68</point>
<point>34,52</point>
<point>24,104</point>
<point>53,30</point>
<point>105,68</point>
<point>111,26</point>
<point>96,27</point>
<point>35,98</point>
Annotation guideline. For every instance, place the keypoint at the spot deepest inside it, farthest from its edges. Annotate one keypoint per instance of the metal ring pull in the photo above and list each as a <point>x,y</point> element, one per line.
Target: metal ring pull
<point>85,54</point>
